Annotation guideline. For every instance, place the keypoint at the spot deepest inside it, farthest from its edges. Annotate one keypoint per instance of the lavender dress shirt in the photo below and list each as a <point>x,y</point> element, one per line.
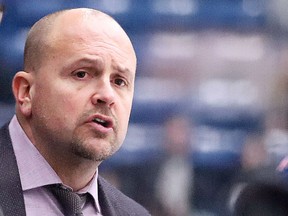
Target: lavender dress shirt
<point>35,172</point>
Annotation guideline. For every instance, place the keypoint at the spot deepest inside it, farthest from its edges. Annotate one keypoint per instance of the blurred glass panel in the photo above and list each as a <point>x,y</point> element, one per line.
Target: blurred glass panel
<point>223,93</point>
<point>115,6</point>
<point>175,7</point>
<point>278,13</point>
<point>254,8</point>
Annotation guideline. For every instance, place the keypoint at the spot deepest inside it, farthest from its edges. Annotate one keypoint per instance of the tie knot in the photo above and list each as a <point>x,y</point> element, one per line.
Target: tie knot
<point>70,201</point>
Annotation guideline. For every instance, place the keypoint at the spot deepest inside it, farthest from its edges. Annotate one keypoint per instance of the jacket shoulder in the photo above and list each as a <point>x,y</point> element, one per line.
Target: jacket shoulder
<point>5,140</point>
<point>11,195</point>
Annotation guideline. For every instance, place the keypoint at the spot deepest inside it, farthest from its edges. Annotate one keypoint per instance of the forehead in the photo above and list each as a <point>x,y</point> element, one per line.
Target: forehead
<point>86,24</point>
<point>80,31</point>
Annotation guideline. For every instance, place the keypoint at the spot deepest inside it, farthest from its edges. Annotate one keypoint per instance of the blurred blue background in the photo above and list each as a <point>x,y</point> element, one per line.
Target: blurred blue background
<point>220,63</point>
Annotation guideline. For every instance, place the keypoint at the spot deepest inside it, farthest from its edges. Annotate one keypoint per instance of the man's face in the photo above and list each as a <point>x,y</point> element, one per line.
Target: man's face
<point>82,92</point>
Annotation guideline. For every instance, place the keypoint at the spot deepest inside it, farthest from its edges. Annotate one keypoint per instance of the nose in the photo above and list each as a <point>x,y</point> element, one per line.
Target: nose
<point>104,93</point>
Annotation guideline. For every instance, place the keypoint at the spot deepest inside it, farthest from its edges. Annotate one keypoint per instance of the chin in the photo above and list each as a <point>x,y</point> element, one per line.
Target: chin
<point>95,152</point>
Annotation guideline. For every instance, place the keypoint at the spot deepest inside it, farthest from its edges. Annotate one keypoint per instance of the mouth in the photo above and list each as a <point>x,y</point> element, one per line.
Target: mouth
<point>103,121</point>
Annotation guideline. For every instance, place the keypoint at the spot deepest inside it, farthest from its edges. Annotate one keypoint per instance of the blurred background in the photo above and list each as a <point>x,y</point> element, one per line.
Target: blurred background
<point>210,100</point>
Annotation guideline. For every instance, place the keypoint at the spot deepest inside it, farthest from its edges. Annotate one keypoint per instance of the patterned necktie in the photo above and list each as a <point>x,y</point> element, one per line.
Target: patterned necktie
<point>70,201</point>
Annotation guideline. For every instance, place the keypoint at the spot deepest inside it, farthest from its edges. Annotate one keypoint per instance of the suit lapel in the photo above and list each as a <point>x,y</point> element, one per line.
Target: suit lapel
<point>106,205</point>
<point>11,194</point>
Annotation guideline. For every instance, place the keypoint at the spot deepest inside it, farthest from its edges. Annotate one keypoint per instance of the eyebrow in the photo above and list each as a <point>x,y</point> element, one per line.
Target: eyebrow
<point>77,62</point>
<point>96,64</point>
<point>124,70</point>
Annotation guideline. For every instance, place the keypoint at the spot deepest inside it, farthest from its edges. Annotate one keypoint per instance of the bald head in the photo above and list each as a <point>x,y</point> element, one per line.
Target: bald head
<point>44,34</point>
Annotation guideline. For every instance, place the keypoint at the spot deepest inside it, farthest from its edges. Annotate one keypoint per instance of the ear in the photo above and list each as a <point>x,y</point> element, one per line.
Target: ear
<point>21,87</point>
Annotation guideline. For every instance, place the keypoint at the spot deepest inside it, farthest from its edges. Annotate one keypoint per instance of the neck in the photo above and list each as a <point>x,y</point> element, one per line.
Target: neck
<point>74,171</point>
<point>77,177</point>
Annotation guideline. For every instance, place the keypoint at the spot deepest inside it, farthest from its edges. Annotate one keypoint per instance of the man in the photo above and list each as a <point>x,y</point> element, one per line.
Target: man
<point>73,102</point>
<point>177,186</point>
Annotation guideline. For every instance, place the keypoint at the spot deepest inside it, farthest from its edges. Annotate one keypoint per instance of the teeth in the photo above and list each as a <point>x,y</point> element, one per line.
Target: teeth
<point>97,120</point>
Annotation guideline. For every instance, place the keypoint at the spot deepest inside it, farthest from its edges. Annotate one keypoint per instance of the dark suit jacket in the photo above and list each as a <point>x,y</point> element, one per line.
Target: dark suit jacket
<point>112,201</point>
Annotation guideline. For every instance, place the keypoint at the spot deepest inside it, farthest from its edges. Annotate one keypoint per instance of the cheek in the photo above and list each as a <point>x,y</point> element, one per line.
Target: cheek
<point>67,108</point>
<point>123,117</point>
<point>56,107</point>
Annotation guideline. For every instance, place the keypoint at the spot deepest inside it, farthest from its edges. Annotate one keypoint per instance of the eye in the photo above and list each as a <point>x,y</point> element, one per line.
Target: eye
<point>81,74</point>
<point>120,82</point>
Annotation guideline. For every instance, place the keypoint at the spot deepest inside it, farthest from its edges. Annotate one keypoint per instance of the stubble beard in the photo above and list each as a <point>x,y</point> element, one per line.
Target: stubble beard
<point>82,148</point>
<point>94,146</point>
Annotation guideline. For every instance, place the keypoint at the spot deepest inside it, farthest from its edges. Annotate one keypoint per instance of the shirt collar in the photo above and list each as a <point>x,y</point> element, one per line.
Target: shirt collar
<point>34,170</point>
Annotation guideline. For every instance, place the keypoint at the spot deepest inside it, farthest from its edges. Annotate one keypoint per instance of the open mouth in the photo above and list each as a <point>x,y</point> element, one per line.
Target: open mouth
<point>102,122</point>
